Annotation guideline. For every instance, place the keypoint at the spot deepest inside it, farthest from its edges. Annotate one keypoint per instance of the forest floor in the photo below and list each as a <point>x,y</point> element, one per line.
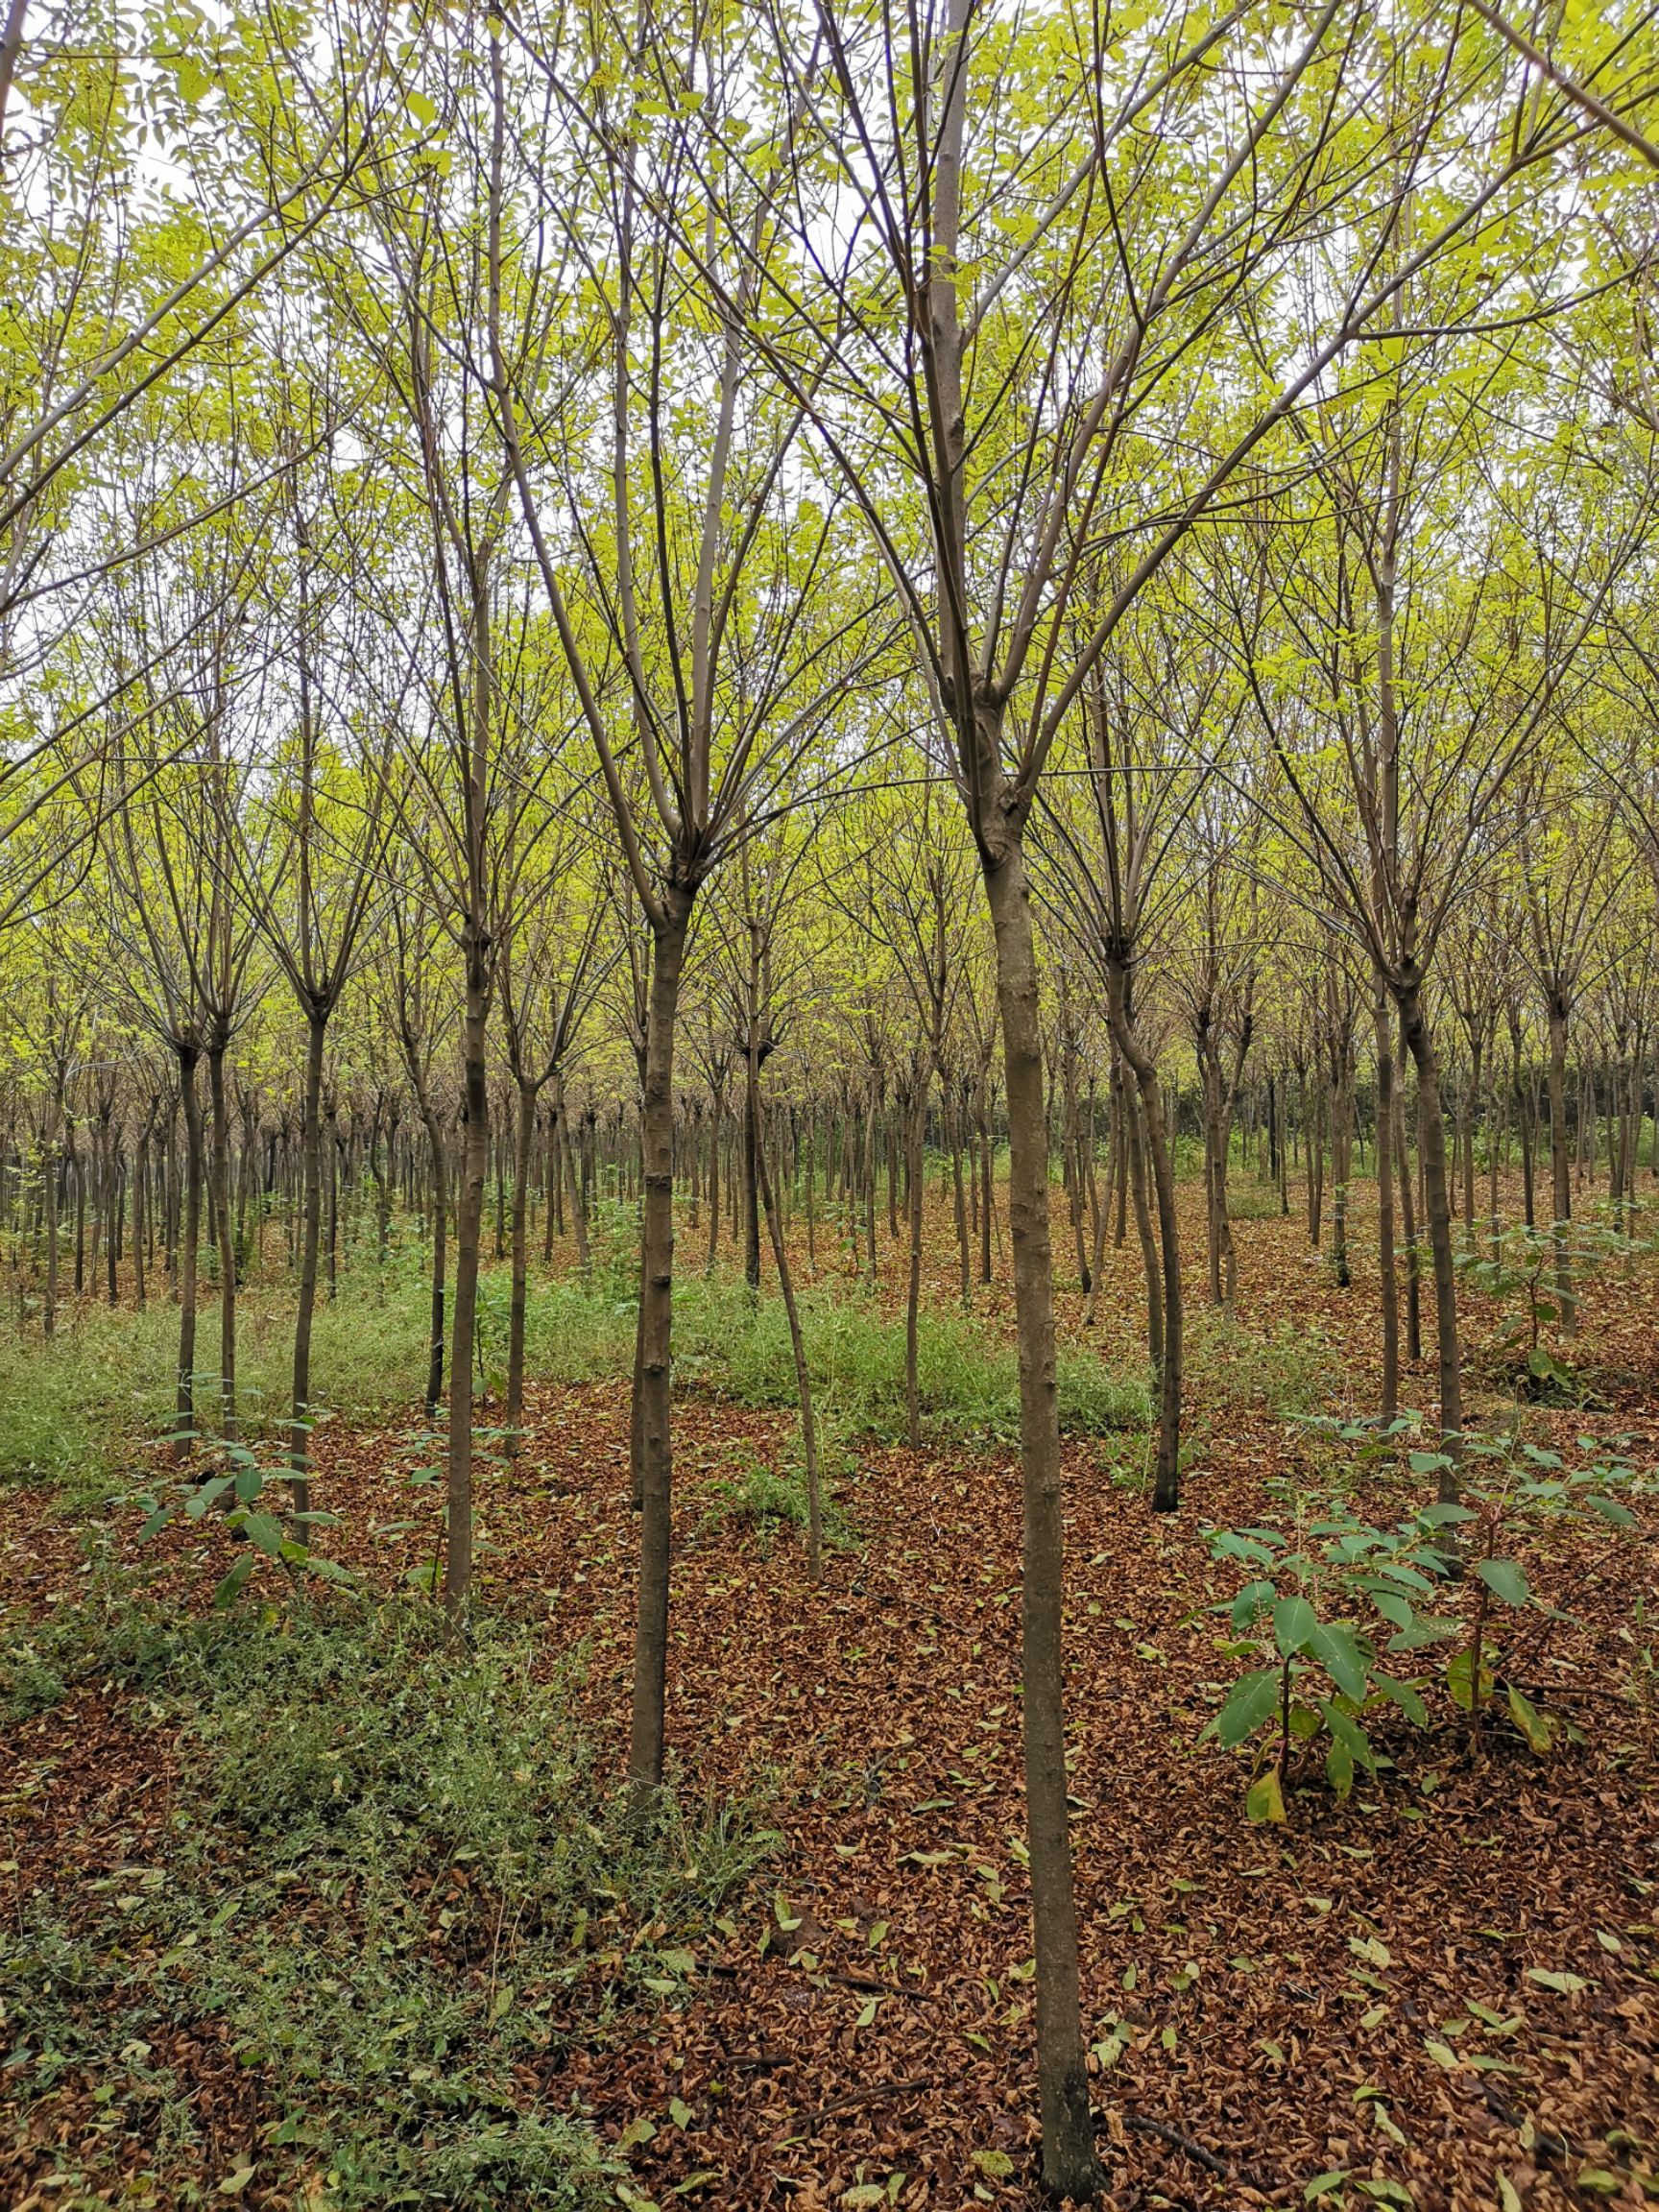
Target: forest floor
<point>1443,1993</point>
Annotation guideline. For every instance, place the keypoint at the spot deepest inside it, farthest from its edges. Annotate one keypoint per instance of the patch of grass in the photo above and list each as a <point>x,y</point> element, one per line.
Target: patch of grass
<point>70,1399</point>
<point>1251,1200</point>
<point>767,1499</point>
<point>391,1887</point>
<point>77,1404</point>
<point>1291,1371</point>
<point>968,1384</point>
<point>81,1409</point>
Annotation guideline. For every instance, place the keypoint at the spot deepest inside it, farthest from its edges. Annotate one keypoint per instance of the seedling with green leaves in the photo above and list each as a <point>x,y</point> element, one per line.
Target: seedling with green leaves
<point>1519,1269</point>
<point>238,1491</point>
<point>1307,1617</point>
<point>1505,1482</point>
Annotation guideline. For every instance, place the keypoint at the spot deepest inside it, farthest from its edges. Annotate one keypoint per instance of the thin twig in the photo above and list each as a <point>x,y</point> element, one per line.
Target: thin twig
<point>1224,2169</point>
<point>867,2097</point>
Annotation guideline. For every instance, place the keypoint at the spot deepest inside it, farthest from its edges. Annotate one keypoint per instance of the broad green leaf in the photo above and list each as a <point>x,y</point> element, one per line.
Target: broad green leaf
<point>1294,1623</point>
<point>1505,1580</point>
<point>1539,1732</point>
<point>263,1529</point>
<point>231,1588</point>
<point>1403,1694</point>
<point>1255,1698</point>
<point>1350,1735</point>
<point>1337,1651</point>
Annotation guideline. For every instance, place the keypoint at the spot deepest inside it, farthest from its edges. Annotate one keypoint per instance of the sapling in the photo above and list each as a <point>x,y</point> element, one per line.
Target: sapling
<point>1319,1673</point>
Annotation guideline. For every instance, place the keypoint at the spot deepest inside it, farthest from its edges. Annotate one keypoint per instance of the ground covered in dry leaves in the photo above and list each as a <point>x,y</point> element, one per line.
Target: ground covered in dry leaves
<point>1442,1994</point>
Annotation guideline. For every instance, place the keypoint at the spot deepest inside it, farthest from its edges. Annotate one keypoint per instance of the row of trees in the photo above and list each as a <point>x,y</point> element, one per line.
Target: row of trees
<point>493,509</point>
<point>1261,1041</point>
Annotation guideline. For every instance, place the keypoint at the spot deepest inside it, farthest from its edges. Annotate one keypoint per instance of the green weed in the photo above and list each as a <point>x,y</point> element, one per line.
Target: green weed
<point>1291,1371</point>
<point>391,1881</point>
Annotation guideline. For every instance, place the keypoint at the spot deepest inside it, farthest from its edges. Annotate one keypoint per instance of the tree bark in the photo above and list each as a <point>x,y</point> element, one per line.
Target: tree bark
<point>299,1429</point>
<point>190,1239</point>
<point>1560,1161</point>
<point>1070,2165</point>
<point>792,1313</point>
<point>1438,1196</point>
<point>1166,1470</point>
<point>524,1134</point>
<point>225,1235</point>
<point>463,1320</point>
<point>1386,1269</point>
<point>656,1316</point>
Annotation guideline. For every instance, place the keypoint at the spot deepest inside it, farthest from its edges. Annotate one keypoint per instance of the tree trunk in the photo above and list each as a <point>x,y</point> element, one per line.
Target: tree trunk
<point>1560,1161</point>
<point>1070,2165</point>
<point>797,1341</point>
<point>1389,1274</point>
<point>435,1332</point>
<point>524,1133</point>
<point>190,1239</point>
<point>1137,1166</point>
<point>657,1313</point>
<point>987,1179</point>
<point>913,1121</point>
<point>226,1237</point>
<point>301,1426</point>
<point>463,1321</point>
<point>715,1118</point>
<point>1438,1196</point>
<point>1167,1471</point>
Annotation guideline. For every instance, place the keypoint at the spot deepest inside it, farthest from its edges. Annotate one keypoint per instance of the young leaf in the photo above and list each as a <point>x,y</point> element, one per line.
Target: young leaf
<point>1254,1698</point>
<point>1505,1580</point>
<point>1294,1626</point>
<point>1264,1800</point>
<point>1338,1651</point>
<point>1251,1601</point>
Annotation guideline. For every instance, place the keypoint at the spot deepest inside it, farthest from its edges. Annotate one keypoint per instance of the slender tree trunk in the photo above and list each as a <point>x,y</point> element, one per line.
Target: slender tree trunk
<point>1560,1162</point>
<point>1070,2165</point>
<point>959,1200</point>
<point>657,1309</point>
<point>913,1121</point>
<point>1167,1471</point>
<point>189,1241</point>
<point>1388,1272</point>
<point>1138,1178</point>
<point>226,1237</point>
<point>987,1179</point>
<point>715,1118</point>
<point>463,1321</point>
<point>140,1213</point>
<point>438,1165</point>
<point>751,1198</point>
<point>1432,1137</point>
<point>50,1171</point>
<point>792,1313</point>
<point>1408,1226</point>
<point>301,1423</point>
<point>524,1134</point>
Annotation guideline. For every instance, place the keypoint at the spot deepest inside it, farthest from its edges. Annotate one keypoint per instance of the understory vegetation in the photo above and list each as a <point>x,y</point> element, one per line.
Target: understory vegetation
<point>387,1881</point>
